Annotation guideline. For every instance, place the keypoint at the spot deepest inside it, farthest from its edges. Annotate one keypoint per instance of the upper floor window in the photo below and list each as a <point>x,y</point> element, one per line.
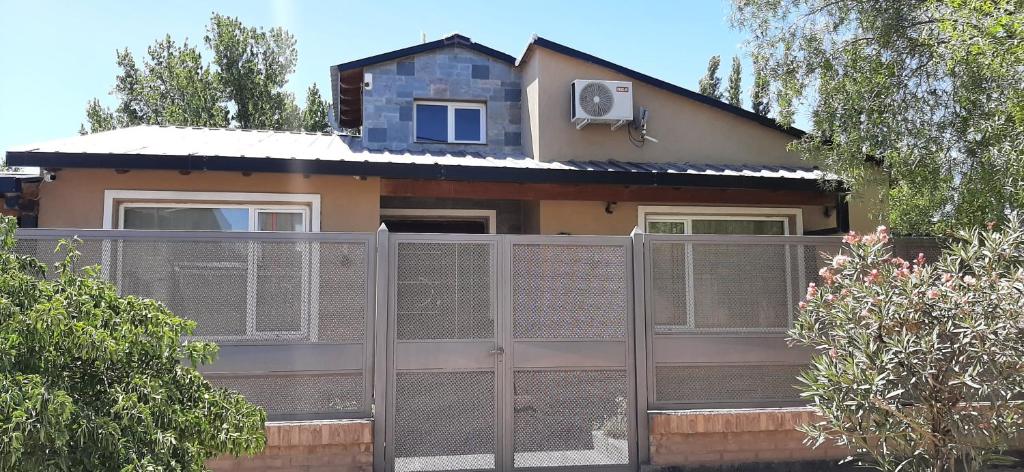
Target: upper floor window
<point>450,122</point>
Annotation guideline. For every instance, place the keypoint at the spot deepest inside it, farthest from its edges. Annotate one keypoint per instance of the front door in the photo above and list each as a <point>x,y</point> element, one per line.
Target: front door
<point>509,353</point>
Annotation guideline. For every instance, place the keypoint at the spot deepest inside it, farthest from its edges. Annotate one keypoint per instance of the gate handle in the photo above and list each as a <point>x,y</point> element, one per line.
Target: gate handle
<point>497,350</point>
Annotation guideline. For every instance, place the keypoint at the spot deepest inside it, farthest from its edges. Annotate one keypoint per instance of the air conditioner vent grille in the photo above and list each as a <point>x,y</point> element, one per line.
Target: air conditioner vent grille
<point>596,99</point>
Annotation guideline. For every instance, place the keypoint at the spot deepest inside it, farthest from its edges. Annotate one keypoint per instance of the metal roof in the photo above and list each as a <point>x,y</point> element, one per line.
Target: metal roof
<point>209,148</point>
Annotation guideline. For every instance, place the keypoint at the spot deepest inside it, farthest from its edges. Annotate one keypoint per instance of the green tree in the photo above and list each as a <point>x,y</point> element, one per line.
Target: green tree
<point>932,90</point>
<point>90,380</point>
<point>314,115</point>
<point>734,90</point>
<point>711,83</point>
<point>919,363</point>
<point>99,118</point>
<point>759,93</point>
<point>253,66</point>
<point>242,86</point>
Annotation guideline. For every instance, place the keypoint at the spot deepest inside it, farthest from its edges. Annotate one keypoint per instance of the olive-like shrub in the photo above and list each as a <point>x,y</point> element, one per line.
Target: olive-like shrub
<point>91,381</point>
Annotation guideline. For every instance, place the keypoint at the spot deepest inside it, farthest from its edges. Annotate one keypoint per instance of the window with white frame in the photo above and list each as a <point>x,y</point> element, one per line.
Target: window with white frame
<point>210,211</point>
<point>213,217</point>
<point>450,122</point>
<point>720,220</point>
<point>268,281</point>
<point>710,287</point>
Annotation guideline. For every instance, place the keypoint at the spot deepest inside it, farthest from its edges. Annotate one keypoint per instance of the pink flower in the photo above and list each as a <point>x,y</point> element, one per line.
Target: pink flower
<point>802,305</point>
<point>872,277</point>
<point>970,280</point>
<point>851,238</point>
<point>830,298</point>
<point>947,277</point>
<point>869,239</point>
<point>883,234</point>
<point>932,293</point>
<point>920,259</point>
<point>833,353</point>
<point>812,290</point>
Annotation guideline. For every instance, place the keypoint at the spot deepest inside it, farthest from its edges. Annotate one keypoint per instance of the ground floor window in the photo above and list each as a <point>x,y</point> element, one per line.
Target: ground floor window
<point>720,220</point>
<point>211,211</point>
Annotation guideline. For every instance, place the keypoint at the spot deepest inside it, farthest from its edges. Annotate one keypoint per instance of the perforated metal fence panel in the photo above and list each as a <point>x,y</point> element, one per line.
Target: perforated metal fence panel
<point>292,313</point>
<point>510,352</point>
<point>718,309</point>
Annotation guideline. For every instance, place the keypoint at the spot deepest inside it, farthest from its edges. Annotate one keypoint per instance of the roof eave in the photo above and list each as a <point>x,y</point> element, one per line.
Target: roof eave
<point>405,170</point>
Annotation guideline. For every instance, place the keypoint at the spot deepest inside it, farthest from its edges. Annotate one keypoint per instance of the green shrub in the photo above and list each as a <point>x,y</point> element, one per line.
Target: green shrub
<point>919,362</point>
<point>90,380</point>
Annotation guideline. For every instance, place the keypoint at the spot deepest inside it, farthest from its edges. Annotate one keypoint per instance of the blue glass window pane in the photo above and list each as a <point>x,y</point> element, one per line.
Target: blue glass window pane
<point>432,123</point>
<point>467,124</point>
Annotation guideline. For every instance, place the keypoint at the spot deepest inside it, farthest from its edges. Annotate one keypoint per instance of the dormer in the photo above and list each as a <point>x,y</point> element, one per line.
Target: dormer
<point>443,96</point>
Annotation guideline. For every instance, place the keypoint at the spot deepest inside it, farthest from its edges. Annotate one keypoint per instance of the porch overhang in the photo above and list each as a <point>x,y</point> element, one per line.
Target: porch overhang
<point>392,170</point>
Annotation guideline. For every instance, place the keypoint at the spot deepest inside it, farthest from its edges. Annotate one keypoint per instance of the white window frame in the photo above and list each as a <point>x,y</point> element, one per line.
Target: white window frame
<point>308,203</point>
<point>687,214</point>
<point>452,106</point>
<point>443,214</point>
<point>254,211</point>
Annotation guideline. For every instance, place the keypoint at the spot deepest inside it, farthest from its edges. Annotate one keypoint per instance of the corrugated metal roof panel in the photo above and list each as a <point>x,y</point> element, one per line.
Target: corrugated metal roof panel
<point>183,141</point>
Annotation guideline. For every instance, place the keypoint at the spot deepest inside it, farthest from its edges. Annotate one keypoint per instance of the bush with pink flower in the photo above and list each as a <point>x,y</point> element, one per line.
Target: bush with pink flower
<point>919,362</point>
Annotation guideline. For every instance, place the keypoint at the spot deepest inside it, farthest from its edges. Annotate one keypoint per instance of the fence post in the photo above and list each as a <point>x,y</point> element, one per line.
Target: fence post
<point>380,380</point>
<point>640,346</point>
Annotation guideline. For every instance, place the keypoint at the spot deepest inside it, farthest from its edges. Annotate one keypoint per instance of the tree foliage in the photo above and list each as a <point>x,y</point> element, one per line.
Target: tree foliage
<point>760,92</point>
<point>242,85</point>
<point>919,363</point>
<point>711,83</point>
<point>931,89</point>
<point>90,380</point>
<point>734,90</point>
<point>253,67</point>
<point>314,115</point>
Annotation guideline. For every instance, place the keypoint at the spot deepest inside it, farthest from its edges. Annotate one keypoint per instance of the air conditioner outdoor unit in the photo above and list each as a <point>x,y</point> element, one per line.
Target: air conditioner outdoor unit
<point>601,101</point>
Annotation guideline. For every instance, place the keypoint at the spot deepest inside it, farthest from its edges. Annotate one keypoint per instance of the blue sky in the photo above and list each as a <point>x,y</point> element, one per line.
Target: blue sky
<point>55,56</point>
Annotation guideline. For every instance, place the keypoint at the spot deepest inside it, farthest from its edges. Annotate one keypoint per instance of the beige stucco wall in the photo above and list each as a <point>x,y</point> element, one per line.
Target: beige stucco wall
<point>589,217</point>
<point>687,130</point>
<point>75,199</point>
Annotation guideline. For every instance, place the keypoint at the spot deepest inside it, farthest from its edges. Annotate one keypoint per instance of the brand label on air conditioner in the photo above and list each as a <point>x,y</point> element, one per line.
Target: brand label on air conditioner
<point>621,89</point>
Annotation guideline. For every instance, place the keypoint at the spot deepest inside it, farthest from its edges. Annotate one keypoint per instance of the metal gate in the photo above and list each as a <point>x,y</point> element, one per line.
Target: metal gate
<point>509,353</point>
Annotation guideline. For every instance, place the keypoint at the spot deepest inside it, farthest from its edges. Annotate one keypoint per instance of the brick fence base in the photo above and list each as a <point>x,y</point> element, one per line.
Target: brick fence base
<point>754,440</point>
<point>309,446</point>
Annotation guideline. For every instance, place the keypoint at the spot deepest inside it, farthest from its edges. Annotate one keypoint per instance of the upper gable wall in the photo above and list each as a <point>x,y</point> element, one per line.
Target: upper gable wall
<point>686,130</point>
<point>451,73</point>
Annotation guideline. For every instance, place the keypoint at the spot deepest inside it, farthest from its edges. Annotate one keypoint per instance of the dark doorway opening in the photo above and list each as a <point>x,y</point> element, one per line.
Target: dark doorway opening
<point>406,225</point>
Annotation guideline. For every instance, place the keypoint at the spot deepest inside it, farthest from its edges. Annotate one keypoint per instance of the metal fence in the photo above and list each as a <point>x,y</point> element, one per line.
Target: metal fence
<point>717,310</point>
<point>293,313</point>
<point>487,351</point>
<point>509,352</point>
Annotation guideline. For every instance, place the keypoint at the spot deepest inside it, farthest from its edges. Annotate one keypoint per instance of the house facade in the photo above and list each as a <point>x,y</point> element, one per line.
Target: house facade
<point>457,136</point>
<point>467,274</point>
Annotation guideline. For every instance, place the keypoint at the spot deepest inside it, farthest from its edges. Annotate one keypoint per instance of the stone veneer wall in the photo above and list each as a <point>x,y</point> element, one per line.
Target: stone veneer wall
<point>309,446</point>
<point>755,439</point>
<point>451,73</point>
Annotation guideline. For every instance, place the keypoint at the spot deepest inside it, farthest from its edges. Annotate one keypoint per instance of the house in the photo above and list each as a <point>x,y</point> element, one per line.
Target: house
<point>456,136</point>
<point>506,314</point>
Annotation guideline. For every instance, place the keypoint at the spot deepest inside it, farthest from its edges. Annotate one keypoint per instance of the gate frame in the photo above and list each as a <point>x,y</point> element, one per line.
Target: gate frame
<point>385,372</point>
